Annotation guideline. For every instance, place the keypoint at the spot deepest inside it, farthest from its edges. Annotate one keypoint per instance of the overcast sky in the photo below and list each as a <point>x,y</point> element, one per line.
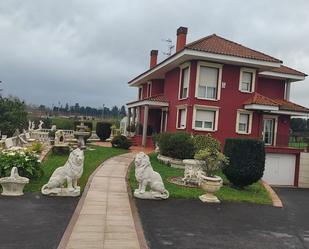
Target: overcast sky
<point>87,50</point>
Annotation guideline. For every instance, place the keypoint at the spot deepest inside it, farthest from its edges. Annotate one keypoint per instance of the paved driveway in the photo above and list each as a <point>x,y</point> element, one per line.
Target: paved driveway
<point>34,221</point>
<point>190,224</point>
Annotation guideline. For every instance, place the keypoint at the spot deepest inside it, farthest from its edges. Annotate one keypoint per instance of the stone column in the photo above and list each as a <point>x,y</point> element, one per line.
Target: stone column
<point>144,138</point>
<point>134,116</point>
<point>129,118</point>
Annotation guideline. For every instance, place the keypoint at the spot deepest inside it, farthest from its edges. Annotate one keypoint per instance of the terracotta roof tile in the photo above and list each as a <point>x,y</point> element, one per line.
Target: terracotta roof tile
<point>218,45</point>
<point>259,99</point>
<point>283,105</point>
<point>155,98</point>
<point>287,70</point>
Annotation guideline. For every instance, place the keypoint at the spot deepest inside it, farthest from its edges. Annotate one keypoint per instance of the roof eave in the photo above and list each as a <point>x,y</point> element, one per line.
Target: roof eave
<point>291,77</point>
<point>189,54</point>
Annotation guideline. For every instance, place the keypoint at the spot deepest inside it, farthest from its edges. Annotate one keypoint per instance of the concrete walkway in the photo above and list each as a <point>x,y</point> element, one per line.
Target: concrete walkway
<point>105,219</point>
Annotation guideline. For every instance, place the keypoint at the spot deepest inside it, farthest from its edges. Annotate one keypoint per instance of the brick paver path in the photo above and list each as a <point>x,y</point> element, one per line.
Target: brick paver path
<point>106,220</point>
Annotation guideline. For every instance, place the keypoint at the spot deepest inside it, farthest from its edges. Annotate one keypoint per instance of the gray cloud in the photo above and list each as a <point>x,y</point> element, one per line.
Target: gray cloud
<point>86,51</point>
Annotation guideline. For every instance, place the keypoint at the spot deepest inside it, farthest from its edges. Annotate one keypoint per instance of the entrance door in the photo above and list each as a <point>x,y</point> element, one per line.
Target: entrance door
<point>268,131</point>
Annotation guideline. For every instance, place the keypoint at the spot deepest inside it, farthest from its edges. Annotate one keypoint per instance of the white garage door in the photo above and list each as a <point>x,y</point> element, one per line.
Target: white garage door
<point>279,169</point>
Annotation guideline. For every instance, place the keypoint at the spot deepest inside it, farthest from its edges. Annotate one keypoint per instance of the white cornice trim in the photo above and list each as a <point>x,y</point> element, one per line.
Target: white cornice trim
<point>292,113</point>
<point>282,75</point>
<point>200,55</point>
<point>261,107</point>
<point>148,102</point>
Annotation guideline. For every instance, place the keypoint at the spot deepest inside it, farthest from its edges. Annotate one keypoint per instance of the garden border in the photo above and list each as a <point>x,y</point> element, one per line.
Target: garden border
<point>276,201</point>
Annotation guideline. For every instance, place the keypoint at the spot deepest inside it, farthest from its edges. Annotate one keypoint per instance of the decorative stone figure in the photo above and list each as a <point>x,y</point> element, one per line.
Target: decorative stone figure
<point>59,137</point>
<point>14,184</point>
<point>41,124</point>
<point>66,175</point>
<point>30,125</point>
<point>146,175</point>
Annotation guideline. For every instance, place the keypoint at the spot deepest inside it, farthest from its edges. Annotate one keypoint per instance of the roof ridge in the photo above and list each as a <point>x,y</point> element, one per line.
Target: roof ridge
<point>230,41</point>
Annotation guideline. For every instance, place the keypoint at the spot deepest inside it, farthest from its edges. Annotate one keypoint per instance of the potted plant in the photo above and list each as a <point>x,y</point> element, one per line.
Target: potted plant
<point>210,160</point>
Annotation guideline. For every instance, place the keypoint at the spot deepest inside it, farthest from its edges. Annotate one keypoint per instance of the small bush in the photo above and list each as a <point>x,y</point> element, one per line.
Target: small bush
<point>247,161</point>
<point>63,123</point>
<point>176,145</point>
<point>121,142</point>
<point>103,130</point>
<point>131,128</point>
<point>26,162</point>
<point>36,147</point>
<point>202,142</point>
<point>61,150</point>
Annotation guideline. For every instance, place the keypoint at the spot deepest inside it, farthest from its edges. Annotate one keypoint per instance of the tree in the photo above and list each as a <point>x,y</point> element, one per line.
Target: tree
<point>122,111</point>
<point>13,115</point>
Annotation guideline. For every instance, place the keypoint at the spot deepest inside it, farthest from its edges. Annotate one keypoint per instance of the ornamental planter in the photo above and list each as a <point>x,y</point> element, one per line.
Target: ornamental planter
<point>211,185</point>
<point>193,173</point>
<point>14,184</point>
<point>174,163</point>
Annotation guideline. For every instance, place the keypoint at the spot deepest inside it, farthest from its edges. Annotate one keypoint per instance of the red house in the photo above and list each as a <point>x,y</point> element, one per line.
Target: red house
<point>217,86</point>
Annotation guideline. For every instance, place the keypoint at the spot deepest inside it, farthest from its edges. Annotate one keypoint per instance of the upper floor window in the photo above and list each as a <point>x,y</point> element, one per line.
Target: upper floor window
<point>205,118</point>
<point>181,118</point>
<point>244,122</point>
<point>184,81</point>
<point>149,85</point>
<point>208,81</point>
<point>140,93</point>
<point>247,80</point>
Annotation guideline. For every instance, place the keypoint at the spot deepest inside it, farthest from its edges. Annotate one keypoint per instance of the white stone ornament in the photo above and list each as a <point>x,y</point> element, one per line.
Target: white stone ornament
<point>41,125</point>
<point>14,184</point>
<point>66,175</point>
<point>145,176</point>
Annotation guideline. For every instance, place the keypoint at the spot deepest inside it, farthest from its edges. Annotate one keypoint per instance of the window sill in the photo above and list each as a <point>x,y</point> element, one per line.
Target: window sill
<point>206,99</point>
<point>243,133</point>
<point>182,128</point>
<point>245,91</point>
<point>182,98</point>
<point>201,129</point>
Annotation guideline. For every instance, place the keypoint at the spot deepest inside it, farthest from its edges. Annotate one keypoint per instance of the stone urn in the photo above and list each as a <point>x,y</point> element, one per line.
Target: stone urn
<point>211,185</point>
<point>193,172</point>
<point>14,184</point>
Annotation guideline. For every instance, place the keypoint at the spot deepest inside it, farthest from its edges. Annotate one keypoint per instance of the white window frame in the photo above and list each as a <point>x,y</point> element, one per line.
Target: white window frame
<point>219,83</point>
<point>140,97</point>
<point>183,107</point>
<point>250,113</point>
<point>149,87</point>
<point>206,108</point>
<point>275,128</point>
<point>247,70</point>
<point>181,67</point>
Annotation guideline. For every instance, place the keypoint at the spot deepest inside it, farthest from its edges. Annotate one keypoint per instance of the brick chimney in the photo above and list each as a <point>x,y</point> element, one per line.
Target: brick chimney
<point>181,38</point>
<point>153,58</point>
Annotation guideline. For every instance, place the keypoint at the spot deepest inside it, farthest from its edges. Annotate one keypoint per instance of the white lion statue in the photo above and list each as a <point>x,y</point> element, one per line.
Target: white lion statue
<point>67,174</point>
<point>146,175</point>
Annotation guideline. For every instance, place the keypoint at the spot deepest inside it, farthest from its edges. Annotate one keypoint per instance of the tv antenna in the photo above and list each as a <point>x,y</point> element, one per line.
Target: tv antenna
<point>170,46</point>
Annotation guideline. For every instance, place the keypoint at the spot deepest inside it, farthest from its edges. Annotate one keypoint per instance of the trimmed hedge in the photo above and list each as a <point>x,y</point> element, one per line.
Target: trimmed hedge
<point>103,130</point>
<point>121,142</point>
<point>247,161</point>
<point>176,145</point>
<point>202,142</point>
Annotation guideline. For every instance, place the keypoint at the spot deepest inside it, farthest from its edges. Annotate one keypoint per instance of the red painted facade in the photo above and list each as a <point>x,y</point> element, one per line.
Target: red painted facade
<point>230,101</point>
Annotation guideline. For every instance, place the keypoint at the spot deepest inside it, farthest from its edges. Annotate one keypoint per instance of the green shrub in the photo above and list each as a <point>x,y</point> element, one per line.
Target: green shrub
<point>103,130</point>
<point>247,161</point>
<point>36,147</point>
<point>61,150</point>
<point>202,142</point>
<point>88,124</point>
<point>176,145</point>
<point>121,142</point>
<point>63,123</point>
<point>131,128</point>
<point>26,162</point>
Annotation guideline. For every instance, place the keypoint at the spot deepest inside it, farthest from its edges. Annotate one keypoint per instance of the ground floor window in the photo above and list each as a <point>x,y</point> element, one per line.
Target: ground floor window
<point>181,118</point>
<point>243,122</point>
<point>205,118</point>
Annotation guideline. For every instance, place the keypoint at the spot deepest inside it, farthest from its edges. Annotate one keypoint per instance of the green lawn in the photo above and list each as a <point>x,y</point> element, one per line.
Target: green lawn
<point>298,145</point>
<point>93,158</point>
<point>255,193</point>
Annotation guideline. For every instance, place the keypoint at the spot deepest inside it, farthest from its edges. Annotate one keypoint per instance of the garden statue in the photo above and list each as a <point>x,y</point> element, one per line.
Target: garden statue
<point>30,125</point>
<point>14,184</point>
<point>59,138</point>
<point>66,175</point>
<point>41,124</point>
<point>146,175</point>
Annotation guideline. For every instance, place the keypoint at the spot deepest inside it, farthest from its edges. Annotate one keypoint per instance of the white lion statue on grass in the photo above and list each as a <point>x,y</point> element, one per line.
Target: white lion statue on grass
<point>145,176</point>
<point>66,175</point>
